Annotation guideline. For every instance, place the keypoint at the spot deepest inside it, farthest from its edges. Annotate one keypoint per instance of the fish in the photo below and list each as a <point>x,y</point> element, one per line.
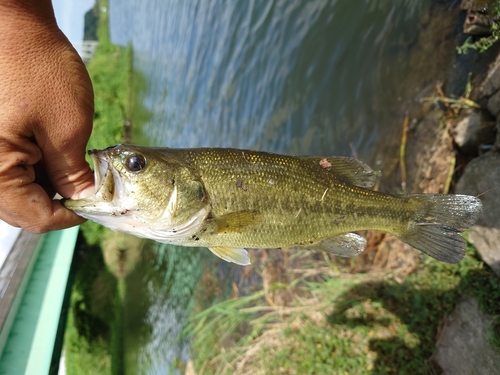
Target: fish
<point>230,200</point>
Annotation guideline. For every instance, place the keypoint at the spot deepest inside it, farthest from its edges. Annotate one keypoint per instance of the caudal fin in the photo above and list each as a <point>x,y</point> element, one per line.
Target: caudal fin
<point>440,218</point>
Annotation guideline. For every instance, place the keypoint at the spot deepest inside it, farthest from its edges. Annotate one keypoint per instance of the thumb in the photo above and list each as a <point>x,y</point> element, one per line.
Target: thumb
<point>64,129</point>
<point>65,165</point>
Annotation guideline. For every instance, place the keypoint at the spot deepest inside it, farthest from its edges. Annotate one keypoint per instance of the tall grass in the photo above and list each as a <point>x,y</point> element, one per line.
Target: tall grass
<point>339,322</point>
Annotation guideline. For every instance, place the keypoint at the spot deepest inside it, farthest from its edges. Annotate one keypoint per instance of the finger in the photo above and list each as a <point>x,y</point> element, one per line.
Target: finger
<point>63,122</point>
<point>43,180</point>
<point>26,204</point>
<point>64,142</point>
<point>37,213</point>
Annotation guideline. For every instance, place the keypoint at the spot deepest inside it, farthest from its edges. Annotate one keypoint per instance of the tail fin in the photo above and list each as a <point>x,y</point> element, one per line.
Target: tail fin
<point>440,218</point>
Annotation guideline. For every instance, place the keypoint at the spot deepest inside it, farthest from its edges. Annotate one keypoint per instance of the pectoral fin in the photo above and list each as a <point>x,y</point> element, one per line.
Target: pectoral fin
<point>235,222</point>
<point>345,245</point>
<point>231,254</point>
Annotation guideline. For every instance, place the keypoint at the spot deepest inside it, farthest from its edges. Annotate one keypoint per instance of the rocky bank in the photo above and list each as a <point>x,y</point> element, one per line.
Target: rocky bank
<point>464,343</point>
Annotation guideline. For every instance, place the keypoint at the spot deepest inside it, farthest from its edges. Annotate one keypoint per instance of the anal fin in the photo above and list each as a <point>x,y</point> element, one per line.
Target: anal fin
<point>231,254</point>
<point>346,245</point>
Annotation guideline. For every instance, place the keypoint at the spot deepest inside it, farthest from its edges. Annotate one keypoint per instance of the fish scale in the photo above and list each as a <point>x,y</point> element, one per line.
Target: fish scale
<point>294,203</point>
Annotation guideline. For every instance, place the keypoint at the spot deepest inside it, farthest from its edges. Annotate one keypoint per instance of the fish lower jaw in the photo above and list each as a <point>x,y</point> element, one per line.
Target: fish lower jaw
<point>93,209</point>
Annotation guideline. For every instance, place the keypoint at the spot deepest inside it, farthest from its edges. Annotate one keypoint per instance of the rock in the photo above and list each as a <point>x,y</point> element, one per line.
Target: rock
<point>480,17</point>
<point>497,141</point>
<point>463,346</point>
<point>432,154</point>
<point>487,242</point>
<point>476,129</point>
<point>482,178</point>
<point>492,81</point>
<point>483,6</point>
<point>489,94</point>
<point>494,104</point>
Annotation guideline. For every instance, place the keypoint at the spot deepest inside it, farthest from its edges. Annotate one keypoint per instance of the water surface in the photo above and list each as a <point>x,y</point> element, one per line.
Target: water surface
<point>297,77</point>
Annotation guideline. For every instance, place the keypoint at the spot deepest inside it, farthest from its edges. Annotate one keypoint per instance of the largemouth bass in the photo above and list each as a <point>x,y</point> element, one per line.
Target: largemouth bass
<point>228,200</point>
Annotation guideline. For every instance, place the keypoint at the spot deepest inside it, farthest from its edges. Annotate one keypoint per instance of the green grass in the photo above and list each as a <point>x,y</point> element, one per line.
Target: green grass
<point>109,71</point>
<point>81,356</point>
<point>90,316</point>
<point>343,323</point>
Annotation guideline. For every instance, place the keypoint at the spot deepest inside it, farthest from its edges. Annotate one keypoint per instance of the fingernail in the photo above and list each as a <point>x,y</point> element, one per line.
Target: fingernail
<point>85,193</point>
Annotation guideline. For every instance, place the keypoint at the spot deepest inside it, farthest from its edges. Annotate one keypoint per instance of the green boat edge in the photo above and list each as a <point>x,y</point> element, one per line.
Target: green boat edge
<point>31,319</point>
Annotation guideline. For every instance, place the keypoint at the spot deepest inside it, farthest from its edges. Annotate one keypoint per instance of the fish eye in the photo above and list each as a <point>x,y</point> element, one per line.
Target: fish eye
<point>135,163</point>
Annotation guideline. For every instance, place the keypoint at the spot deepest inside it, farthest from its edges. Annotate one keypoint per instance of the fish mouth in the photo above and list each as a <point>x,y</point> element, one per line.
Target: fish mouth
<point>103,175</point>
<point>107,184</point>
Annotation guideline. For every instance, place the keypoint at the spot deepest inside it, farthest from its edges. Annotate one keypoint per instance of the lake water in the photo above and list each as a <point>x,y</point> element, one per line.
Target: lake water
<point>296,77</point>
<point>290,76</point>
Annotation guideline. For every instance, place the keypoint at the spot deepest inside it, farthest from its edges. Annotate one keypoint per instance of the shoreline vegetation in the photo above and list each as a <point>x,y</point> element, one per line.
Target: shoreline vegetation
<point>307,313</point>
<point>118,111</point>
<point>111,72</point>
<point>342,315</point>
<point>93,340</point>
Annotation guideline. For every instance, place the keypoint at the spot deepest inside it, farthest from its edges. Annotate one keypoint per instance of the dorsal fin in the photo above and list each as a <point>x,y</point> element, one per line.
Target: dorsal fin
<point>348,170</point>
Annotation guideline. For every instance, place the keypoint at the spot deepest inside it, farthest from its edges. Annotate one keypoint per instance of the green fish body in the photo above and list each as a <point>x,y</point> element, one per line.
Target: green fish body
<point>229,200</point>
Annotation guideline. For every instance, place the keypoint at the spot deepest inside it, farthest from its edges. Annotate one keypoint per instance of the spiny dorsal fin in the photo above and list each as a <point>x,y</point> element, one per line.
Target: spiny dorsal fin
<point>346,245</point>
<point>231,254</point>
<point>235,221</point>
<point>348,170</point>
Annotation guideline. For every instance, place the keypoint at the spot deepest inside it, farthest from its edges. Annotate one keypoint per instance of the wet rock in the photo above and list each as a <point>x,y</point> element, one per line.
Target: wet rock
<point>489,91</point>
<point>478,24</point>
<point>487,242</point>
<point>494,104</point>
<point>432,155</point>
<point>463,346</point>
<point>480,6</point>
<point>491,84</point>
<point>474,130</point>
<point>482,178</point>
<point>497,141</point>
<point>480,16</point>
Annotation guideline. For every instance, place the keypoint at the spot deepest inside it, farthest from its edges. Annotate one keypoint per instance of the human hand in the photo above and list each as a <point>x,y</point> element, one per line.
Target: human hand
<point>46,111</point>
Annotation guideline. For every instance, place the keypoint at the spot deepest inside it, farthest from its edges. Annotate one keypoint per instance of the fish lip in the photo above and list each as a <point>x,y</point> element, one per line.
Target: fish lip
<point>101,168</point>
